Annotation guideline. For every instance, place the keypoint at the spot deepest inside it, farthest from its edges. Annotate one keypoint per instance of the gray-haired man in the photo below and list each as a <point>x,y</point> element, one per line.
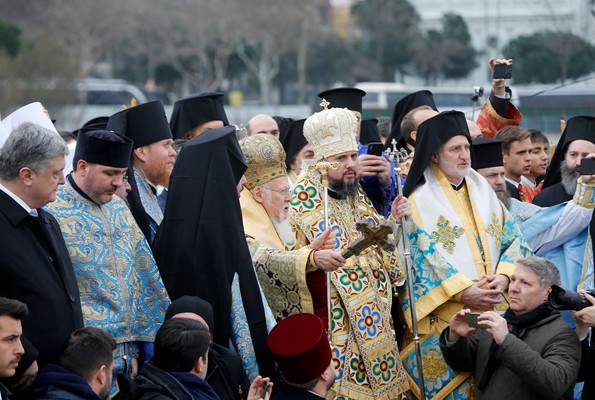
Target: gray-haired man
<point>528,353</point>
<point>34,263</point>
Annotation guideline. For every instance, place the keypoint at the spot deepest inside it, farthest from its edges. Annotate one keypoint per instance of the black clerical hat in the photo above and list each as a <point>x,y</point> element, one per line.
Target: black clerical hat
<point>220,137</point>
<point>192,304</point>
<point>577,128</point>
<point>103,148</point>
<point>369,131</point>
<point>404,106</point>
<point>196,109</point>
<point>349,98</point>
<point>145,123</point>
<point>283,123</point>
<point>431,134</point>
<point>486,153</point>
<point>293,140</point>
<point>94,124</point>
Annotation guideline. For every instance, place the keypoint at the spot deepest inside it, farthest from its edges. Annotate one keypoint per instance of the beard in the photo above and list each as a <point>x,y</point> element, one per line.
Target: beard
<point>456,171</point>
<point>503,195</point>
<point>344,189</point>
<point>160,176</point>
<point>569,178</point>
<point>285,232</point>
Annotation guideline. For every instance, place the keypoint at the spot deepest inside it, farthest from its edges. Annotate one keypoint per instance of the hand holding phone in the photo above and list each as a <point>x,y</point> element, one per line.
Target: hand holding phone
<point>472,320</point>
<point>375,148</point>
<point>502,71</point>
<point>587,166</point>
<point>265,390</point>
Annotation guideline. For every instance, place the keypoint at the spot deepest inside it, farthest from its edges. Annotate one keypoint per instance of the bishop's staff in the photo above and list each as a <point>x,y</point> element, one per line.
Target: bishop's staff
<point>398,157</point>
<point>323,167</point>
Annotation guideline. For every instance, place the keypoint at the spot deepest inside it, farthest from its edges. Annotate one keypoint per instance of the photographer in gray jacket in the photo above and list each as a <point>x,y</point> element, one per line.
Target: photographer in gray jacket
<point>528,353</point>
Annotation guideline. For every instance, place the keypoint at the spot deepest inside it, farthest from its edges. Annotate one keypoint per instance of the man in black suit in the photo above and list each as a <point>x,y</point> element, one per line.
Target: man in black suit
<point>300,347</point>
<point>34,264</point>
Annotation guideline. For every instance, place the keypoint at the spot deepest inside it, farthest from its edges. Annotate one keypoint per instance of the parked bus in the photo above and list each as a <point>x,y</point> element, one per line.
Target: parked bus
<point>544,106</point>
<point>381,97</point>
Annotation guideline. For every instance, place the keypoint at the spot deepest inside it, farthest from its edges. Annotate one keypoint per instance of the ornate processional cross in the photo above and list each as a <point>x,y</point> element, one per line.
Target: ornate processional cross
<point>371,235</point>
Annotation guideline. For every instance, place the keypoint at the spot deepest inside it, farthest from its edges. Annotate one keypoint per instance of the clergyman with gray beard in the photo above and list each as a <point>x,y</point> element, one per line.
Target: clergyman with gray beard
<point>577,142</point>
<point>270,235</point>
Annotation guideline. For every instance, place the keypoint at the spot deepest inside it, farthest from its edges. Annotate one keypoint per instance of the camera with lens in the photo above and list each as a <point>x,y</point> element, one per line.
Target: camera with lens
<point>564,299</point>
<point>477,93</point>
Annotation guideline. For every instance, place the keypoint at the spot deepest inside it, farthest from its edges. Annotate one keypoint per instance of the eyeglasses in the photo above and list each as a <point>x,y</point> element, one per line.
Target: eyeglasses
<point>284,192</point>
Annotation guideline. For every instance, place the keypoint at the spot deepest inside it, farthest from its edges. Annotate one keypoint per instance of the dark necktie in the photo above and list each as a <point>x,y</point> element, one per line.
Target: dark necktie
<point>35,223</point>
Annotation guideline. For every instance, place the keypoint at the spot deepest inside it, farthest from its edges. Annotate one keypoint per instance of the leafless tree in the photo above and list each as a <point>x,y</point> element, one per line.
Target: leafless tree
<point>271,29</point>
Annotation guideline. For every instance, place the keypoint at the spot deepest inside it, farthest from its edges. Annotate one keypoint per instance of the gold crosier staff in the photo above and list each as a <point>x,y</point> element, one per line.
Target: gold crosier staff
<point>398,157</point>
<point>323,167</point>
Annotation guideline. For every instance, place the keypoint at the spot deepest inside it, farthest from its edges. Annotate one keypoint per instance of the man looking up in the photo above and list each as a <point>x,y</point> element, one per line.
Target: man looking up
<point>225,372</point>
<point>179,368</point>
<point>152,160</point>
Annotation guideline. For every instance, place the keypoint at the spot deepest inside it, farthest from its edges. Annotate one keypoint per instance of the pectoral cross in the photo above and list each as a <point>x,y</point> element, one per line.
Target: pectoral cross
<point>371,235</point>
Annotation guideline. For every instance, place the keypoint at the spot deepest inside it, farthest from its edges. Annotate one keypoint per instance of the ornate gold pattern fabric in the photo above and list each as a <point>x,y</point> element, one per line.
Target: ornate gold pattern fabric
<point>265,158</point>
<point>331,132</point>
<point>282,274</point>
<point>455,240</point>
<point>365,352</point>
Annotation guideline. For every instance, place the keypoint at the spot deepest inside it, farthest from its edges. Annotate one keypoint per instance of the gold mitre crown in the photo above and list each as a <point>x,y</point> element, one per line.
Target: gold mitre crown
<point>265,158</point>
<point>331,132</point>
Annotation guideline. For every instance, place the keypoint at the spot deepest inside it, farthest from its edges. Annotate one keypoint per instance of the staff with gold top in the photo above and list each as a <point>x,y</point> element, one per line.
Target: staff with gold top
<point>398,157</point>
<point>358,290</point>
<point>322,167</point>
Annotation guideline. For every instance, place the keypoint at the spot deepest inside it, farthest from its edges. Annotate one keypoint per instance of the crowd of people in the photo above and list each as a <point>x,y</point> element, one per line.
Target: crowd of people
<point>187,259</point>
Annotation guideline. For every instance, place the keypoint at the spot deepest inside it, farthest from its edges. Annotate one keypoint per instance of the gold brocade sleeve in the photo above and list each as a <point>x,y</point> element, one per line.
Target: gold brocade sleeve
<point>282,276</point>
<point>584,195</point>
<point>505,268</point>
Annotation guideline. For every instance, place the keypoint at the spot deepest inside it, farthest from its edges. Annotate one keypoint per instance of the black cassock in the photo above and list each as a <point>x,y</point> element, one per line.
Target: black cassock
<point>201,244</point>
